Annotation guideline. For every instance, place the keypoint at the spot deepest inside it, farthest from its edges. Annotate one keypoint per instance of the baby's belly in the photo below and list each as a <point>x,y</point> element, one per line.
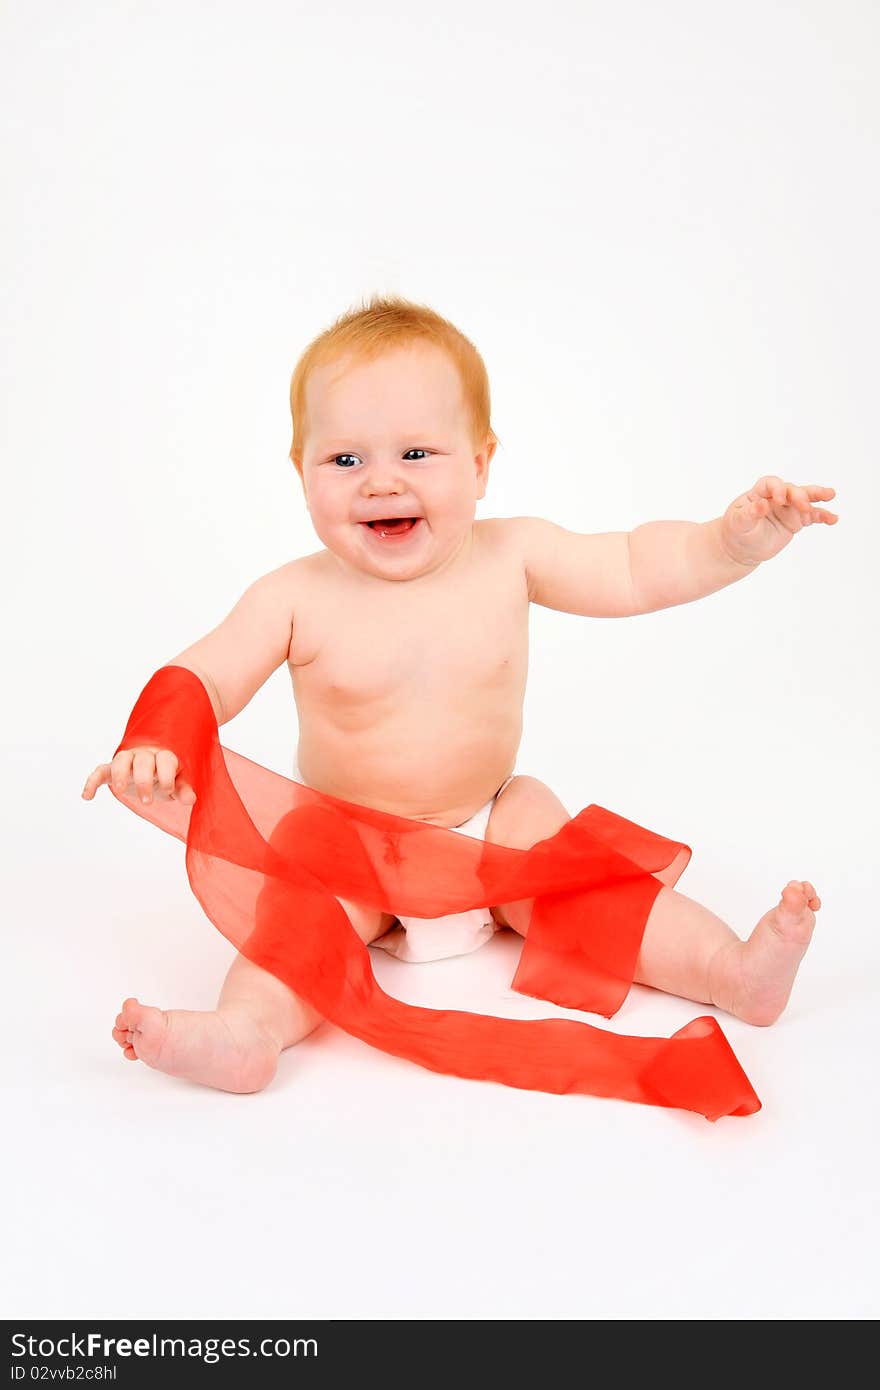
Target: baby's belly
<point>438,775</point>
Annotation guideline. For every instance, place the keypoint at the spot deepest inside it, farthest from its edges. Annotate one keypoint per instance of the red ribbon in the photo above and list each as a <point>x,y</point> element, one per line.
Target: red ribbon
<point>268,858</point>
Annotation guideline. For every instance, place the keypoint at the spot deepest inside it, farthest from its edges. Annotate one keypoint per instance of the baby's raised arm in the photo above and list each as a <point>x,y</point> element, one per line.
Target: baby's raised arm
<point>617,574</point>
<point>232,661</point>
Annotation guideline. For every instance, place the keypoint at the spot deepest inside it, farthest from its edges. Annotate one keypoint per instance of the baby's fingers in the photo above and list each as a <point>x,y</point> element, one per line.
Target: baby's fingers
<point>166,771</point>
<point>120,770</point>
<point>143,767</point>
<point>772,489</point>
<point>144,773</point>
<point>820,514</point>
<point>817,491</point>
<point>167,764</point>
<point>95,780</point>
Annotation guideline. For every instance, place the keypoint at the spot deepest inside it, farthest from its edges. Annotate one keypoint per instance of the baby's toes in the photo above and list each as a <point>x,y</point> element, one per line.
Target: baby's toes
<point>122,1036</point>
<point>131,1016</point>
<point>142,1027</point>
<point>814,902</point>
<point>803,887</point>
<point>794,917</point>
<point>794,896</point>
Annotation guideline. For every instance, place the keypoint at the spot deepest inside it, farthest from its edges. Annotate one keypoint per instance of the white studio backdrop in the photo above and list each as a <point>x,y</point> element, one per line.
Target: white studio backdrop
<point>659,225</point>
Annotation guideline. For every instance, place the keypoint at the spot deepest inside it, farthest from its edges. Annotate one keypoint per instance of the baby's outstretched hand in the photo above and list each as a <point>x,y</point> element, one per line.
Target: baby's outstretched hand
<point>144,772</point>
<point>762,521</point>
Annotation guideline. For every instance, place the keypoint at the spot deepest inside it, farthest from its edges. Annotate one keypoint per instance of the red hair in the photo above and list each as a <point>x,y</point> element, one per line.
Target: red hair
<point>386,322</point>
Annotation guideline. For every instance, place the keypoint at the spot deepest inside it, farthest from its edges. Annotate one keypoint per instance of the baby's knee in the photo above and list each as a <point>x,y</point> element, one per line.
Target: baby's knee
<point>524,813</point>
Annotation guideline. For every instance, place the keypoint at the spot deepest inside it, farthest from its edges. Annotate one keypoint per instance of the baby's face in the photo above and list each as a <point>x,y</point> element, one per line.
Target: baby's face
<point>390,438</point>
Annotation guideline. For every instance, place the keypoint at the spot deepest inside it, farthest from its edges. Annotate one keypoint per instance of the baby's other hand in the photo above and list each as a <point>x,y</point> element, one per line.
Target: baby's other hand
<point>142,772</point>
<point>762,521</point>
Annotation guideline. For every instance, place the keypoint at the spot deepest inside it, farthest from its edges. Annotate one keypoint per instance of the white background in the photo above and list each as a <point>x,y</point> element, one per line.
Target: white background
<point>659,225</point>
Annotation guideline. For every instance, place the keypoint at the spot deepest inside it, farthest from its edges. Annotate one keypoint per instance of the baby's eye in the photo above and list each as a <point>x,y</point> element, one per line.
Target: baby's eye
<point>337,457</point>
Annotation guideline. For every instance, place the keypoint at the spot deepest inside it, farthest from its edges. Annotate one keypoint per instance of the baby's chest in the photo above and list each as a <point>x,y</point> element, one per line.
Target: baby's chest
<point>451,656</point>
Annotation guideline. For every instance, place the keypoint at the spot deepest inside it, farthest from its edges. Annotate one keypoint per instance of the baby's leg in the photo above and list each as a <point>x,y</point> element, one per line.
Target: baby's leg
<point>234,1047</point>
<point>686,949</point>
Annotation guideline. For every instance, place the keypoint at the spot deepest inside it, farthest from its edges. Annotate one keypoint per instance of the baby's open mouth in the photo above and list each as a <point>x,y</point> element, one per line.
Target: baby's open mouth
<point>394,526</point>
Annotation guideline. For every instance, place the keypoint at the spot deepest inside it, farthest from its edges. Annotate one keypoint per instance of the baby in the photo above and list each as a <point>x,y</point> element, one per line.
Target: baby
<point>406,638</point>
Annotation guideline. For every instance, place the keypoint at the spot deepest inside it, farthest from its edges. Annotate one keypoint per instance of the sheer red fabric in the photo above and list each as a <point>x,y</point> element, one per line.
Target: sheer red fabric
<point>268,858</point>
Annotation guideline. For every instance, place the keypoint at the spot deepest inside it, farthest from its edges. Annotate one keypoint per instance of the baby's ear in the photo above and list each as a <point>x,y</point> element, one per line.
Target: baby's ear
<point>483,459</point>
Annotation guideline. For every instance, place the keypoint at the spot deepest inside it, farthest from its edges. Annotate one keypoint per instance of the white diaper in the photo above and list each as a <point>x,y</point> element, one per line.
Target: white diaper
<point>434,938</point>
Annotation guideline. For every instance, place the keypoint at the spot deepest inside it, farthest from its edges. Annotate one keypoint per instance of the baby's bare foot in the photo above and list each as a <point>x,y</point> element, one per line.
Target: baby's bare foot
<point>753,979</point>
<point>228,1050</point>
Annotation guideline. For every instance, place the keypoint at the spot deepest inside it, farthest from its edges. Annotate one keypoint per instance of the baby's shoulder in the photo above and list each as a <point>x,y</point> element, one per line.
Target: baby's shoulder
<point>506,540</point>
<point>500,542</point>
<point>294,587</point>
